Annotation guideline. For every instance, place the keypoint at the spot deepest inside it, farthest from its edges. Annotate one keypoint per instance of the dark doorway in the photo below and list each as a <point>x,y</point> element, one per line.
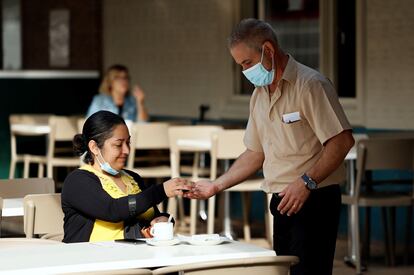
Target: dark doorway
<point>346,78</point>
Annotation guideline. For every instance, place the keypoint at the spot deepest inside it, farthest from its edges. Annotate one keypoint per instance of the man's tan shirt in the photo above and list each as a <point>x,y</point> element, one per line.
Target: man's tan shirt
<point>291,128</point>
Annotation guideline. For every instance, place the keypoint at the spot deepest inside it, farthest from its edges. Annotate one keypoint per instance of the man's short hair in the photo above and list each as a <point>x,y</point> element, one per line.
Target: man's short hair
<point>253,33</point>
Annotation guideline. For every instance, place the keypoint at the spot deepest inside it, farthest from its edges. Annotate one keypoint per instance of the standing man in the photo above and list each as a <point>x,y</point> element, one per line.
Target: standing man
<point>298,132</point>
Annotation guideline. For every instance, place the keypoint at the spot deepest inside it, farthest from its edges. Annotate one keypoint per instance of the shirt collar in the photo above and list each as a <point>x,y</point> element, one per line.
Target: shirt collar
<point>290,72</point>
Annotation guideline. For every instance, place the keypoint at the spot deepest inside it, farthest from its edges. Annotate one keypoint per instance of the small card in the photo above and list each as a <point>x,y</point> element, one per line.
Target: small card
<point>291,117</point>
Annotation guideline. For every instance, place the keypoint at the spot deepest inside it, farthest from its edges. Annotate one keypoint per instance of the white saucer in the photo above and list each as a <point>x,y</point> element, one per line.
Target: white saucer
<point>207,242</point>
<point>162,242</point>
<point>203,239</point>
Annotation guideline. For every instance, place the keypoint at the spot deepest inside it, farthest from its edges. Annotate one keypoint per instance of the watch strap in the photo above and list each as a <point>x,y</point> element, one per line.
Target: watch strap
<point>132,205</point>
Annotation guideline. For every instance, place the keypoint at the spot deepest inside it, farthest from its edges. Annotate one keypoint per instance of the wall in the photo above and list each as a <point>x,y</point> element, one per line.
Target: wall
<point>389,64</point>
<point>176,50</point>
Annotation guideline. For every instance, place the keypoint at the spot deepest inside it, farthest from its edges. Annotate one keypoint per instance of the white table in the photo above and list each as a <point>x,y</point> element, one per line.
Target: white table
<point>12,207</point>
<point>81,257</point>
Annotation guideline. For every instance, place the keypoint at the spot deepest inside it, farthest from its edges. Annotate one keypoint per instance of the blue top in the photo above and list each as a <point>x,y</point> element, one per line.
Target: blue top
<point>104,102</point>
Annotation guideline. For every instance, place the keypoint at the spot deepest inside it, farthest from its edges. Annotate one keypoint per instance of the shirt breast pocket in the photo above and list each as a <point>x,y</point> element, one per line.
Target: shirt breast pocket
<point>293,139</point>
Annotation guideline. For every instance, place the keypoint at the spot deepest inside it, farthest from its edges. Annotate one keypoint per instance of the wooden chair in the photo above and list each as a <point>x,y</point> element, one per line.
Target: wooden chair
<point>18,127</point>
<point>379,154</point>
<point>149,136</point>
<point>62,129</point>
<point>228,145</point>
<point>195,139</point>
<point>18,188</point>
<point>275,265</point>
<point>42,214</point>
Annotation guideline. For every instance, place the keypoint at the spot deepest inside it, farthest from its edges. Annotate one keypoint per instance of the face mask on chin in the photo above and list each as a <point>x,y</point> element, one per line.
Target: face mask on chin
<point>258,75</point>
<point>105,165</point>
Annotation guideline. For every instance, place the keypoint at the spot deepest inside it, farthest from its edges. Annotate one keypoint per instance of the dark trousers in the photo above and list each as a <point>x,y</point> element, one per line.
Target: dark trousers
<point>311,233</point>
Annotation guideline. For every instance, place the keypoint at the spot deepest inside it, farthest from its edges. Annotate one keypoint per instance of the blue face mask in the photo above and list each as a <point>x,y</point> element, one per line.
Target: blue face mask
<point>106,167</point>
<point>258,75</point>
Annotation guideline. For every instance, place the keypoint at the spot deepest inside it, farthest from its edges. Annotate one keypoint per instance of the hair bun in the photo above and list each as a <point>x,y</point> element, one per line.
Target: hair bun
<point>79,144</point>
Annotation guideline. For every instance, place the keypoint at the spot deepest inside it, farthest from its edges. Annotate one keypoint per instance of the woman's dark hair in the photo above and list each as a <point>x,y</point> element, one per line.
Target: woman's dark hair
<point>97,127</point>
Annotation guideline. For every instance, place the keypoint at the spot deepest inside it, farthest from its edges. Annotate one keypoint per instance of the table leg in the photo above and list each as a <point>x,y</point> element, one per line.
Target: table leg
<point>351,257</point>
<point>228,232</point>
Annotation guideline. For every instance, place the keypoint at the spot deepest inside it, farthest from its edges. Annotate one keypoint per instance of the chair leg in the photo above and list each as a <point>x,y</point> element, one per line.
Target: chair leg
<point>40,171</point>
<point>386,235</point>
<point>246,209</point>
<point>367,235</point>
<point>268,218</point>
<point>26,167</point>
<point>12,168</point>
<point>211,214</point>
<point>357,239</point>
<point>172,207</point>
<point>49,170</point>
<point>180,209</point>
<point>193,216</point>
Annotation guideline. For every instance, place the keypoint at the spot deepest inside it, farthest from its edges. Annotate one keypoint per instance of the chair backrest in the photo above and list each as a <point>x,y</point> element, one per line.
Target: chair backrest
<point>62,128</point>
<point>146,136</point>
<point>18,188</point>
<point>383,154</point>
<point>191,139</point>
<point>29,119</point>
<point>42,214</point>
<point>152,135</point>
<point>278,265</point>
<point>80,123</point>
<point>201,133</point>
<point>226,144</point>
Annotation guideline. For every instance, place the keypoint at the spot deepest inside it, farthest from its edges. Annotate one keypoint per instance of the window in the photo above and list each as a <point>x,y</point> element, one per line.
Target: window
<point>296,23</point>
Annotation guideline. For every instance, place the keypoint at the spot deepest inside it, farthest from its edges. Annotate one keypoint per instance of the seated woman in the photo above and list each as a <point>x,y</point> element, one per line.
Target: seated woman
<point>115,97</point>
<point>102,201</point>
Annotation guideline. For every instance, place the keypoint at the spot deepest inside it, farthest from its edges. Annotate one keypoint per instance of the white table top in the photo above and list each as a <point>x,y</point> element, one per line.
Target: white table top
<point>352,154</point>
<point>12,207</point>
<point>55,259</point>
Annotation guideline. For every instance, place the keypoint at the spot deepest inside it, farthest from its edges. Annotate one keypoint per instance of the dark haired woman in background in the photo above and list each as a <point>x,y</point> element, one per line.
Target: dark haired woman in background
<point>100,200</point>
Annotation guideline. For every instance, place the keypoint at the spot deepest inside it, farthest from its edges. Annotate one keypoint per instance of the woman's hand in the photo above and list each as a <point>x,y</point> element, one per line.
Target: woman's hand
<point>175,187</point>
<point>139,94</point>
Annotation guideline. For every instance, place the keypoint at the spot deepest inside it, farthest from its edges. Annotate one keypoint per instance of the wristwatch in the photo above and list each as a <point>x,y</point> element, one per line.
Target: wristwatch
<point>309,182</point>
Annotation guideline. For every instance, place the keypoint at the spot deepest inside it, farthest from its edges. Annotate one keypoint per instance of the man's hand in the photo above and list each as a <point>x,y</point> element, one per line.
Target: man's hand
<point>202,189</point>
<point>294,196</point>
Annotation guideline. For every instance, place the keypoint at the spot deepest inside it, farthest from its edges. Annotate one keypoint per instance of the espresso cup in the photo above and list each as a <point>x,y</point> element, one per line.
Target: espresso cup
<point>162,231</point>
